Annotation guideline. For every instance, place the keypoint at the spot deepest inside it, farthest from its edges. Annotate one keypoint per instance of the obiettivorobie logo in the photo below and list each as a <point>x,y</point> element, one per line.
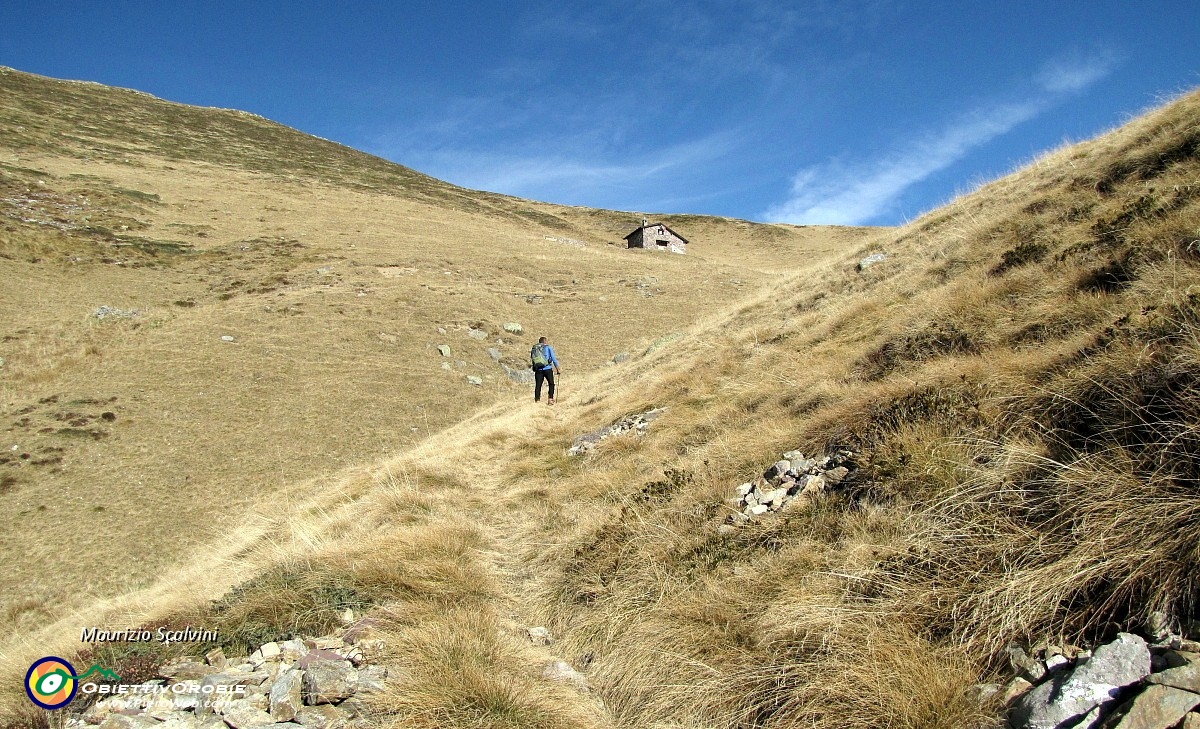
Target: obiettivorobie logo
<point>51,682</point>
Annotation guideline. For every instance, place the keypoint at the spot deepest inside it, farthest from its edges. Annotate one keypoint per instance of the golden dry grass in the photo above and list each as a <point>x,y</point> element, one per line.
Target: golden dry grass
<point>141,441</point>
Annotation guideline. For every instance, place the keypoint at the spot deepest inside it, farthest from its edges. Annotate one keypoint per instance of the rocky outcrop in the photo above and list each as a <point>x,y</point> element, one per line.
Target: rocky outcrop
<point>314,683</point>
<point>789,481</point>
<point>635,424</point>
<point>1124,684</point>
<point>871,260</point>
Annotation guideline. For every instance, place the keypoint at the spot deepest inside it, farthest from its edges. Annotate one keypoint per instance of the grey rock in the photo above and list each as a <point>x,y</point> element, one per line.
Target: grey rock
<point>1014,690</point>
<point>521,376</point>
<point>1186,677</point>
<point>620,357</point>
<point>473,380</point>
<point>186,668</point>
<point>1023,664</point>
<point>871,260</point>
<point>1176,658</point>
<point>984,692</point>
<point>328,681</point>
<point>241,714</point>
<point>460,363</point>
<point>353,708</point>
<point>1158,626</point>
<point>372,679</point>
<point>1158,707</point>
<point>776,470</point>
<point>837,475</point>
<point>494,354</point>
<point>757,510</point>
<point>477,334</point>
<point>562,672</point>
<point>512,327</point>
<point>1091,686</point>
<point>112,312</point>
<point>216,658</point>
<point>801,467</point>
<point>324,716</point>
<point>539,636</point>
<point>285,697</point>
<point>447,366</point>
<point>745,489</point>
<point>227,338</point>
<point>444,350</point>
<point>1053,663</point>
<point>773,498</point>
<point>121,721</point>
<point>793,456</point>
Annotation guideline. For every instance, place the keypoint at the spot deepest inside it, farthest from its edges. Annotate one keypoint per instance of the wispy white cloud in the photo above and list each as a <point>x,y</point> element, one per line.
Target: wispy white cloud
<point>1064,76</point>
<point>574,175</point>
<point>840,193</point>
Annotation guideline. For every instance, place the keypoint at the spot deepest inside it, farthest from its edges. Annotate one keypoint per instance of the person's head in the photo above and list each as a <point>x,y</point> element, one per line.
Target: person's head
<point>541,340</point>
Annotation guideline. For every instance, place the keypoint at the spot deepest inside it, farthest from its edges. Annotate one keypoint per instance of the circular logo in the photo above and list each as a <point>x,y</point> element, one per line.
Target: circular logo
<point>50,682</point>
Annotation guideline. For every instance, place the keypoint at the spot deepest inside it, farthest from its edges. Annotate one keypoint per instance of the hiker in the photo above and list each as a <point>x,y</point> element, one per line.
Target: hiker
<point>544,365</point>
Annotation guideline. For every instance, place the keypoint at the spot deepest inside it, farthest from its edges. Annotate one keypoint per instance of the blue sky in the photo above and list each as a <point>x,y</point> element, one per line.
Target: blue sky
<point>818,111</point>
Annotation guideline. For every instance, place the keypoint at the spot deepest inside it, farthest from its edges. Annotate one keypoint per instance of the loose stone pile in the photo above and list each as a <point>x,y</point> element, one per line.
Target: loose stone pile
<point>314,683</point>
<point>1125,684</point>
<point>636,424</point>
<point>794,479</point>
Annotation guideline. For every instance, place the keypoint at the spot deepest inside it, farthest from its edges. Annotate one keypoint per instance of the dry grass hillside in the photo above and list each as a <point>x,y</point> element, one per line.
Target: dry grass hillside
<point>1015,385</point>
<point>136,235</point>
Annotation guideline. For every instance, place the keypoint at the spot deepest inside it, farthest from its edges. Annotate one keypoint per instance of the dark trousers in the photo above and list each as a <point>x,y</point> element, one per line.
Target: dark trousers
<point>538,376</point>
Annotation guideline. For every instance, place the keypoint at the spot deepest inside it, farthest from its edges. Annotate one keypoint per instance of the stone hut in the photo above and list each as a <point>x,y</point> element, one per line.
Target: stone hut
<point>657,236</point>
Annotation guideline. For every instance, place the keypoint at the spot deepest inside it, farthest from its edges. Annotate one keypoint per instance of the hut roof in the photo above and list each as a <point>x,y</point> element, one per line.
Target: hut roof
<point>655,225</point>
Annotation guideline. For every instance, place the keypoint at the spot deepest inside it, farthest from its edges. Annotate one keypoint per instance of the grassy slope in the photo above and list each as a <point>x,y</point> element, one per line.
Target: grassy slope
<point>1017,380</point>
<point>138,441</point>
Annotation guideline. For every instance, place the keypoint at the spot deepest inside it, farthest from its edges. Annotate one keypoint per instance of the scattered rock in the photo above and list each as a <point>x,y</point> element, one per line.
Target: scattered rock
<point>241,714</point>
<point>636,424</point>
<point>285,695</point>
<point>444,350</point>
<point>788,483</point>
<point>329,681</point>
<point>562,672</point>
<point>1186,677</point>
<point>215,658</point>
<point>1093,685</point>
<point>447,366</point>
<point>477,334</point>
<point>1158,707</point>
<point>520,376</point>
<point>473,380</point>
<point>372,679</point>
<point>1024,665</point>
<point>111,312</point>
<point>324,716</point>
<point>871,260</point>
<point>620,357</point>
<point>227,338</point>
<point>512,327</point>
<point>494,354</point>
<point>539,636</point>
